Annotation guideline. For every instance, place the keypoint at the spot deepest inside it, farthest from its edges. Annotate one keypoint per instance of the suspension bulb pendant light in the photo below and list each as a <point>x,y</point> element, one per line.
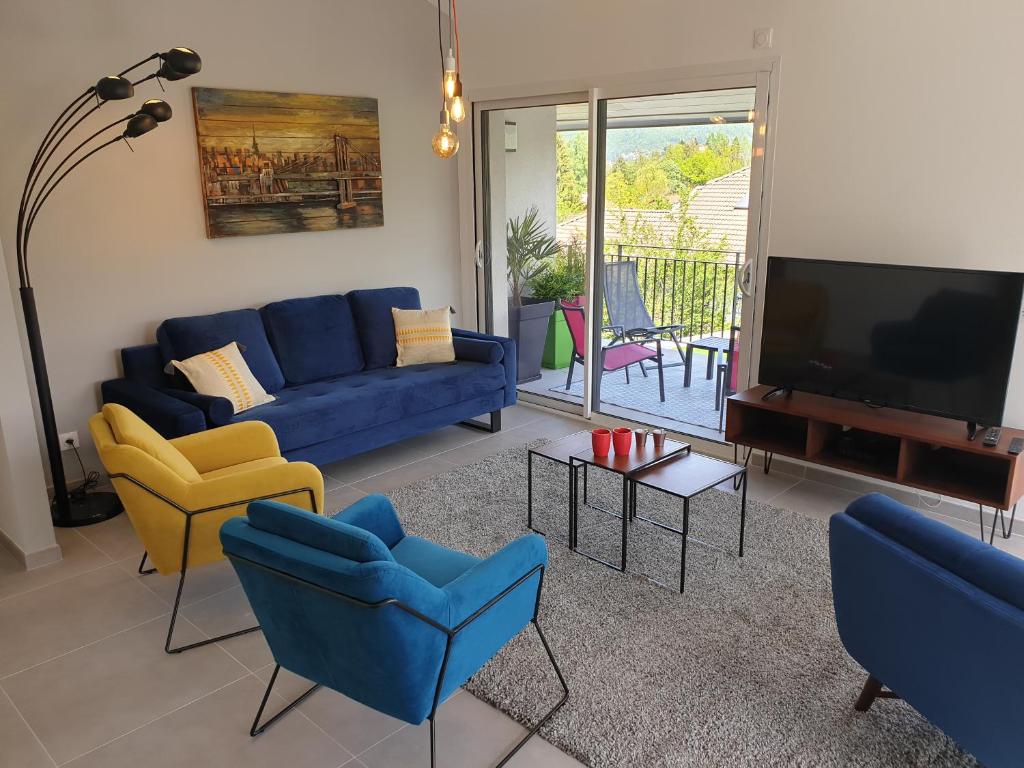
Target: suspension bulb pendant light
<point>446,142</point>
<point>450,75</point>
<point>457,109</point>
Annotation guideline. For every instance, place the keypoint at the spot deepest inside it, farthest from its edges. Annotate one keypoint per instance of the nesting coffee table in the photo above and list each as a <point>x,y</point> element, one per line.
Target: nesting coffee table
<point>673,469</point>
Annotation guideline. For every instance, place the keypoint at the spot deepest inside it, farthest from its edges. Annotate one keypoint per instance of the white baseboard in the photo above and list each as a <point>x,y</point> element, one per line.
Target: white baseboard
<point>31,560</point>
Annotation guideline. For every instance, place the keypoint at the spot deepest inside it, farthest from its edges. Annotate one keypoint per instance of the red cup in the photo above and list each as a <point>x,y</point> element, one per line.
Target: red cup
<point>622,439</point>
<point>601,440</point>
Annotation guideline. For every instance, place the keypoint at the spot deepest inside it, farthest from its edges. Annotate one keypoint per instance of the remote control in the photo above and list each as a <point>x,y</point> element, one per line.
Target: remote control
<point>1016,446</point>
<point>991,437</point>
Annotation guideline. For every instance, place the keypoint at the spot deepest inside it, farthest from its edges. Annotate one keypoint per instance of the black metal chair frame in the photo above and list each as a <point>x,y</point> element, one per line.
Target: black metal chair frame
<point>189,514</point>
<point>724,376</point>
<point>450,634</point>
<point>576,357</point>
<point>648,332</point>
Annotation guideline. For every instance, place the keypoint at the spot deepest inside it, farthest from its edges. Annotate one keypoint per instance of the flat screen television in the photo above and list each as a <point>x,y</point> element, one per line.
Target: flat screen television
<point>937,341</point>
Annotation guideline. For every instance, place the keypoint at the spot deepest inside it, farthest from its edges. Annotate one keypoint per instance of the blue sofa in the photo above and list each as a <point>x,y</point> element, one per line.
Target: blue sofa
<point>330,363</point>
<point>395,622</point>
<point>929,612</point>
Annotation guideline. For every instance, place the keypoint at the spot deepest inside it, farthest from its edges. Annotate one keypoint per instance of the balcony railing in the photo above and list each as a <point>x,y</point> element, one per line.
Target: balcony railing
<point>695,288</point>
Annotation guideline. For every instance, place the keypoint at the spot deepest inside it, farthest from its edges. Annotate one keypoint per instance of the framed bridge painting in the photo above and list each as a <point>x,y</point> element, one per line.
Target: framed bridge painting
<point>287,162</point>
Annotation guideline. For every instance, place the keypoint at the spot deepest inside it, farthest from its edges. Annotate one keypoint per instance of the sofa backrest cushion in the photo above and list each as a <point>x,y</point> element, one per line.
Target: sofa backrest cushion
<point>183,337</point>
<point>996,572</point>
<point>372,311</point>
<point>313,338</point>
<point>323,533</point>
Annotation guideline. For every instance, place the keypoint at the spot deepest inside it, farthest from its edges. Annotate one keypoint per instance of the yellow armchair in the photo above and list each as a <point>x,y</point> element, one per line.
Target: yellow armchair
<point>178,493</point>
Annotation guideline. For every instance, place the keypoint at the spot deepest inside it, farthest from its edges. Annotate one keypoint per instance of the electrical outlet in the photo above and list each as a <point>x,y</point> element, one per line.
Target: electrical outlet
<point>763,38</point>
<point>73,437</point>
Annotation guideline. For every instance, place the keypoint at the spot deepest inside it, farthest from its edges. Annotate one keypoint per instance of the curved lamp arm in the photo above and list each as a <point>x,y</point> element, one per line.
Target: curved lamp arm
<point>176,63</point>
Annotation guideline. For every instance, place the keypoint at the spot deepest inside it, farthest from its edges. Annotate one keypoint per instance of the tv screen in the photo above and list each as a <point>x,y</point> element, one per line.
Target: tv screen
<point>937,341</point>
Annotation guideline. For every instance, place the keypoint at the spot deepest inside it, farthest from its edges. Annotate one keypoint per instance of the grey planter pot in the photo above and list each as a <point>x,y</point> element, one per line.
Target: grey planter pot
<point>528,325</point>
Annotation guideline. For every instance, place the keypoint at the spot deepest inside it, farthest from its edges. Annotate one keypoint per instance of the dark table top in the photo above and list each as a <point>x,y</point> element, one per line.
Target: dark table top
<point>711,342</point>
<point>578,448</point>
<point>687,475</point>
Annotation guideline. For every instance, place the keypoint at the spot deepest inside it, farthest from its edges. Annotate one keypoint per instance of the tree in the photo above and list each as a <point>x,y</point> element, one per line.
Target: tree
<point>570,173</point>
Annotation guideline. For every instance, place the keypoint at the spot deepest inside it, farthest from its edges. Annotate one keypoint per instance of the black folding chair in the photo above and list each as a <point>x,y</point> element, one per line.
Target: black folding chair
<point>627,313</point>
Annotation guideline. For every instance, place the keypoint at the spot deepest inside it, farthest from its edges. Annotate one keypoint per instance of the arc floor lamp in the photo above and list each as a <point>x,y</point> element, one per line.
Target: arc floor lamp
<point>82,507</point>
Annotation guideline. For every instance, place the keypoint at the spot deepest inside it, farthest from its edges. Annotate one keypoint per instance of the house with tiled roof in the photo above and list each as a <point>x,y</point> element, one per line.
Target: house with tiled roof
<point>718,207</point>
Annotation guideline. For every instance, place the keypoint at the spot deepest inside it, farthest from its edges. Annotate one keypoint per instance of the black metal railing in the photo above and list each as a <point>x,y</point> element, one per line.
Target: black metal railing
<point>696,288</point>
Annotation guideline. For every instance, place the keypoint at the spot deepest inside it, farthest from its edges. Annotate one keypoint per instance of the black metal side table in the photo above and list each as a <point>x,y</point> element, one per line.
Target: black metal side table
<point>685,477</point>
<point>626,466</point>
<point>561,452</point>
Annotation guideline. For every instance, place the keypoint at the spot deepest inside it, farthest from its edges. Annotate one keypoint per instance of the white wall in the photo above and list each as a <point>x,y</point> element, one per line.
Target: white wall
<point>122,244</point>
<point>896,139</point>
<point>25,524</point>
<point>530,171</point>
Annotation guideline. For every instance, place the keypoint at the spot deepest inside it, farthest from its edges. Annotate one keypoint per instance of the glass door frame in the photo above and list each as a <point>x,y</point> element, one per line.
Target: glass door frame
<point>492,312</point>
<point>763,74</point>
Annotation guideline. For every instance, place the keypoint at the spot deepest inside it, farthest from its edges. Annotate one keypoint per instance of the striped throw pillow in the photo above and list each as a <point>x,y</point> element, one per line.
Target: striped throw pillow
<point>224,373</point>
<point>423,336</point>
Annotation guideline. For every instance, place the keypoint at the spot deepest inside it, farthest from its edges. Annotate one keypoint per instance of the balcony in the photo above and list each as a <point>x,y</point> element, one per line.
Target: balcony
<point>695,289</point>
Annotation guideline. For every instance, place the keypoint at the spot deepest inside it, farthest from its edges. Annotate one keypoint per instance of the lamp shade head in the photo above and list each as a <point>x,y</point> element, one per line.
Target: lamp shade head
<point>183,61</point>
<point>138,124</point>
<point>158,109</point>
<point>114,88</point>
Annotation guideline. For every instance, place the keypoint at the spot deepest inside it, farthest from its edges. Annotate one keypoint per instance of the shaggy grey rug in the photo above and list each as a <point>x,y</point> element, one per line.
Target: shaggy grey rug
<point>744,669</point>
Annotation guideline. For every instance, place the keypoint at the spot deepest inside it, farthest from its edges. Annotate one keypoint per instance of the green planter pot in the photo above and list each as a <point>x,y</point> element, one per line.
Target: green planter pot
<point>558,344</point>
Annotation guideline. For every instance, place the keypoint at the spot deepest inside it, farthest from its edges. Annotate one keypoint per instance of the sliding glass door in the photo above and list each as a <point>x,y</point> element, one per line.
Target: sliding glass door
<point>674,183</point>
<point>532,178</point>
<point>618,234</point>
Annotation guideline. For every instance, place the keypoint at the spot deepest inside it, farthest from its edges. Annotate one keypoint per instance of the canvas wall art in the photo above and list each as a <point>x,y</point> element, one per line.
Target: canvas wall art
<point>287,162</point>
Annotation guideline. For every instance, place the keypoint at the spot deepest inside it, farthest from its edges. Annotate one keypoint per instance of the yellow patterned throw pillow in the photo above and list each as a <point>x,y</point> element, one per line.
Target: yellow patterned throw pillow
<point>423,336</point>
<point>224,373</point>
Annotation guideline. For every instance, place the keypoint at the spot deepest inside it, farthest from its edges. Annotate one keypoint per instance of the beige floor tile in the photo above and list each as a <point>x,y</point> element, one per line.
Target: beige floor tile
<point>115,538</point>
<point>445,439</point>
<point>374,462</point>
<point>227,612</point>
<point>814,499</point>
<point>470,733</point>
<point>520,414</point>
<point>19,748</point>
<point>116,685</point>
<point>200,583</point>
<point>354,726</point>
<point>59,618</point>
<point>405,475</point>
<point>77,557</point>
<point>341,497</point>
<point>214,731</point>
<point>764,487</point>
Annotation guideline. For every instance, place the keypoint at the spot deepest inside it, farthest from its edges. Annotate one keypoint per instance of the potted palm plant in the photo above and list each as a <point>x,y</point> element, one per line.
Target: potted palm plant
<point>530,250</point>
<point>563,280</point>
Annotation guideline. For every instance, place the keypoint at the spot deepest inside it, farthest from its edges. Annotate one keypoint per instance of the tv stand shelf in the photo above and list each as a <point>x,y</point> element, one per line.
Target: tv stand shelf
<point>925,452</point>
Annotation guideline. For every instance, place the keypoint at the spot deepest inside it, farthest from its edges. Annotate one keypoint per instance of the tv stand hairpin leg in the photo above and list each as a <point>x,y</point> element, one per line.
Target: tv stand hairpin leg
<point>998,513</point>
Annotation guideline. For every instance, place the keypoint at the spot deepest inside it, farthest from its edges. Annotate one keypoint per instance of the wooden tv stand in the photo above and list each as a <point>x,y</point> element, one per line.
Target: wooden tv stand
<point>926,452</point>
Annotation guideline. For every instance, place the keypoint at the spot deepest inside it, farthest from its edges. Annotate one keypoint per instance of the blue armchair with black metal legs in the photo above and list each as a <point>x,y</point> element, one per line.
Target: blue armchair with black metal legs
<point>927,611</point>
<point>393,621</point>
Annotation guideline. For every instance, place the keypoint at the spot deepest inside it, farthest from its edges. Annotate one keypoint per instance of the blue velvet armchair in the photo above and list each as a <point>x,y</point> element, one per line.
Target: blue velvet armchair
<point>395,622</point>
<point>919,605</point>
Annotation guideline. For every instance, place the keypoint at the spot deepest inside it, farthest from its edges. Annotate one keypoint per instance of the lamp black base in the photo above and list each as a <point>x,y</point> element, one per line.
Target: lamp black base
<point>92,508</point>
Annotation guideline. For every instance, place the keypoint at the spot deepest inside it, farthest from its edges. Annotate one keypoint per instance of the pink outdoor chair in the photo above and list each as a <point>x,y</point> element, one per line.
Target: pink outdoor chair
<point>613,357</point>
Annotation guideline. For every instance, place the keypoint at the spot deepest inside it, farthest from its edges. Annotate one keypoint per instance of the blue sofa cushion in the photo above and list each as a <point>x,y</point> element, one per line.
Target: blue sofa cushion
<point>144,364</point>
<point>323,533</point>
<point>372,311</point>
<point>313,338</point>
<point>987,568</point>
<point>312,413</point>
<point>183,337</point>
<point>438,565</point>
